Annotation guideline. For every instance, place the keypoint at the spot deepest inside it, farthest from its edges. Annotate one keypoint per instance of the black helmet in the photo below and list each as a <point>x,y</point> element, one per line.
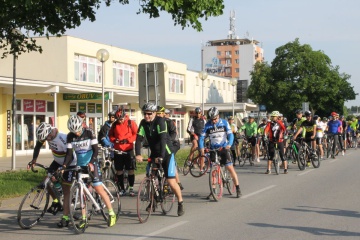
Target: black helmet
<point>111,114</point>
<point>212,112</point>
<point>299,111</point>
<point>307,113</point>
<point>315,117</point>
<point>149,107</point>
<point>198,110</point>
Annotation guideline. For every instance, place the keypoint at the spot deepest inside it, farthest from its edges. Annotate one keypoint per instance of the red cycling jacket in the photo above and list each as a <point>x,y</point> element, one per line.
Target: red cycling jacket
<point>123,135</point>
<point>276,131</point>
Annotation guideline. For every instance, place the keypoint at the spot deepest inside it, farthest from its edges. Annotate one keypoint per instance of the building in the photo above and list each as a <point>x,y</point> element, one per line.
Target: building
<point>67,78</point>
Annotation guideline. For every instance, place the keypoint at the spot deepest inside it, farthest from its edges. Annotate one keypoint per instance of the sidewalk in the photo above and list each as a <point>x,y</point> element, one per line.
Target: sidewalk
<point>22,161</point>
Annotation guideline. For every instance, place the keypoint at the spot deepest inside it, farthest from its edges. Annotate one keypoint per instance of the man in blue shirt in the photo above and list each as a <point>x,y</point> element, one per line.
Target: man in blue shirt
<point>332,128</point>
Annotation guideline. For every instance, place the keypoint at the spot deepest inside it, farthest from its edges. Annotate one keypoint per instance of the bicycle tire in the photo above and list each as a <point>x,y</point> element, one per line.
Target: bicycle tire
<point>32,207</point>
<point>113,193</point>
<point>187,165</point>
<point>242,158</point>
<point>145,200</point>
<point>215,183</point>
<point>195,169</point>
<point>76,208</point>
<point>276,162</point>
<point>229,183</point>
<point>329,147</point>
<point>301,159</point>
<point>168,198</point>
<point>315,159</point>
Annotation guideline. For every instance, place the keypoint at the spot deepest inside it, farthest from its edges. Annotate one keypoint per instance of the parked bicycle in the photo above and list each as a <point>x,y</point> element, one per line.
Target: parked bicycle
<point>154,190</point>
<point>245,153</point>
<point>198,165</point>
<point>307,154</point>
<point>85,202</point>
<point>219,178</point>
<point>35,203</point>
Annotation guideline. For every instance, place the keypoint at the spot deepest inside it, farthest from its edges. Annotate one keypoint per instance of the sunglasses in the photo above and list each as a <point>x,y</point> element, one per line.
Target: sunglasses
<point>148,113</point>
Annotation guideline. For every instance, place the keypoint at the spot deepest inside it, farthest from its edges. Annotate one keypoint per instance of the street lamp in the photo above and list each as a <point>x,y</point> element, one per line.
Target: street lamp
<point>202,75</point>
<point>233,82</point>
<point>102,55</point>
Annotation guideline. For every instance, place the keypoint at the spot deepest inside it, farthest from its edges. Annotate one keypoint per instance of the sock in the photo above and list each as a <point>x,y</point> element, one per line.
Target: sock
<point>55,200</point>
<point>111,212</point>
<point>180,203</point>
<point>237,187</point>
<point>131,179</point>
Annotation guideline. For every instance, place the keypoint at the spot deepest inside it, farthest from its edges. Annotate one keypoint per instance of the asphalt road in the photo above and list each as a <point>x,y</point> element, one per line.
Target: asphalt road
<point>312,204</point>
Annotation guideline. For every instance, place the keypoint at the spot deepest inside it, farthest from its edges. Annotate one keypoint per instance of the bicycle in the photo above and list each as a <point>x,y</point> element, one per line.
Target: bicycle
<point>35,203</point>
<point>219,178</point>
<point>245,153</point>
<point>82,197</point>
<point>153,190</point>
<point>263,148</point>
<point>330,144</point>
<point>194,165</point>
<point>307,154</point>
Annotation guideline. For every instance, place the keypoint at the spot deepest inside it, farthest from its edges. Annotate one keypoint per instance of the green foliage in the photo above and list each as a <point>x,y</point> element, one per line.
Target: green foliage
<point>299,74</point>
<point>53,17</point>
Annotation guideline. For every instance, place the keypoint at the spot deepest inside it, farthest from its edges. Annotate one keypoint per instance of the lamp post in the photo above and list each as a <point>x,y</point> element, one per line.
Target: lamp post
<point>102,55</point>
<point>233,82</point>
<point>202,75</point>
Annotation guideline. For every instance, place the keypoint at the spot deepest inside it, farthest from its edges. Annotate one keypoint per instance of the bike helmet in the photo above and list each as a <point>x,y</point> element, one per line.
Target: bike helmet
<point>75,124</point>
<point>315,117</point>
<point>149,107</point>
<point>245,119</point>
<point>333,114</point>
<point>197,110</point>
<point>307,113</point>
<point>264,119</point>
<point>111,114</point>
<point>324,119</point>
<point>213,112</point>
<point>275,114</point>
<point>43,131</point>
<point>160,109</point>
<point>299,111</point>
<point>251,116</point>
<point>285,119</point>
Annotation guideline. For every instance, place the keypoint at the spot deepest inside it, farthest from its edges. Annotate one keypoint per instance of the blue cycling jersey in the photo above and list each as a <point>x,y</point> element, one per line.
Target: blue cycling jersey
<point>220,134</point>
<point>333,126</point>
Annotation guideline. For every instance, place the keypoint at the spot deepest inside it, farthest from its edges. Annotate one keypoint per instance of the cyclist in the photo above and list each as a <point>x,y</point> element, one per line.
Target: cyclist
<point>332,128</point>
<point>123,135</point>
<point>250,128</point>
<point>82,115</point>
<point>83,143</point>
<point>261,129</point>
<point>234,146</point>
<point>195,128</point>
<point>275,130</point>
<point>57,144</point>
<point>221,137</point>
<point>325,121</point>
<point>154,129</point>
<point>342,134</point>
<point>103,136</point>
<point>161,112</point>
<point>320,128</point>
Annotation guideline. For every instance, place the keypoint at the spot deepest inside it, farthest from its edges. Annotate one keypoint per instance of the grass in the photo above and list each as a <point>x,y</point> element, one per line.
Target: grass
<point>18,183</point>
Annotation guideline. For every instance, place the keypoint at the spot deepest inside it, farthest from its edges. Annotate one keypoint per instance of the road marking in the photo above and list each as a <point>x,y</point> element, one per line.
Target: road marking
<point>161,230</point>
<point>303,173</point>
<point>259,191</point>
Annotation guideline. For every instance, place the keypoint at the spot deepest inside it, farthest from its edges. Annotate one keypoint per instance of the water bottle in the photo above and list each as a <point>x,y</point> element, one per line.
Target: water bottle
<point>58,187</point>
<point>166,187</point>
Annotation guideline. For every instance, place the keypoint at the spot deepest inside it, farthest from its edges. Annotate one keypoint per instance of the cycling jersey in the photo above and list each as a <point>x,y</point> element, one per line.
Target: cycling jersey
<point>84,146</point>
<point>333,126</point>
<point>196,125</point>
<point>250,129</point>
<point>276,131</point>
<point>220,134</point>
<point>297,122</point>
<point>308,127</point>
<point>320,128</point>
<point>261,128</point>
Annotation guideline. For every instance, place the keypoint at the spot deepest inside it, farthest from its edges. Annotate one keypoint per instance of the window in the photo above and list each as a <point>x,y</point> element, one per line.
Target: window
<point>237,61</point>
<point>218,53</point>
<point>227,53</point>
<point>176,83</point>
<point>50,106</point>
<point>237,70</point>
<point>237,52</point>
<point>87,69</point>
<point>123,75</point>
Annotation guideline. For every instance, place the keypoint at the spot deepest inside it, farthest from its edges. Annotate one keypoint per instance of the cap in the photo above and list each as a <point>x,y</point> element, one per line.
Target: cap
<point>167,111</point>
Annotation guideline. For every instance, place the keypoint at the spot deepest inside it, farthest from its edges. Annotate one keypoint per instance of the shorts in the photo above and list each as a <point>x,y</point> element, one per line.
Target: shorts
<point>127,160</point>
<point>96,177</point>
<point>252,140</point>
<point>168,165</point>
<point>319,140</point>
<point>225,157</point>
<point>54,166</point>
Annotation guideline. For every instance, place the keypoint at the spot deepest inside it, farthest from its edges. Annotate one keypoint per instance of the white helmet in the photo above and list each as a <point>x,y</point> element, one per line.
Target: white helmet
<point>75,124</point>
<point>43,131</point>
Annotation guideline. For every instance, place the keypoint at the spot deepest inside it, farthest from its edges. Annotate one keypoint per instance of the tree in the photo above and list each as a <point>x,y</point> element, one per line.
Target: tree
<point>299,74</point>
<point>54,17</point>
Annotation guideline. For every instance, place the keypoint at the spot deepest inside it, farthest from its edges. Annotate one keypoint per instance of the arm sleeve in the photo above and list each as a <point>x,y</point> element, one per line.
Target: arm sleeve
<point>95,149</point>
<point>190,128</point>
<point>37,149</point>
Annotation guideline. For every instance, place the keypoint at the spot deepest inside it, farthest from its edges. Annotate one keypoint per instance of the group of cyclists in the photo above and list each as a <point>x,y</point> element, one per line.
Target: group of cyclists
<point>79,147</point>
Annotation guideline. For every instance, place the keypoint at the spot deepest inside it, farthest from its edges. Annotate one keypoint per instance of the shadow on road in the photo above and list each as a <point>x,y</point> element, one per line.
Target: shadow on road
<point>329,211</point>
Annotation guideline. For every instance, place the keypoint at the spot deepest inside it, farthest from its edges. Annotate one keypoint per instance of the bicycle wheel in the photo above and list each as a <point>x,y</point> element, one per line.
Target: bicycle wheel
<point>145,200</point>
<point>33,207</point>
<point>78,209</point>
<point>328,151</point>
<point>168,197</point>
<point>276,162</point>
<point>187,164</point>
<point>114,196</point>
<point>228,181</point>
<point>315,159</point>
<point>301,159</point>
<point>195,169</point>
<point>215,183</point>
<point>242,157</point>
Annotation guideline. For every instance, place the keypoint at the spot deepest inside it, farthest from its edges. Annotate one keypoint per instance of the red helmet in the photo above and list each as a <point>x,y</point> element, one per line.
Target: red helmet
<point>333,114</point>
<point>120,113</point>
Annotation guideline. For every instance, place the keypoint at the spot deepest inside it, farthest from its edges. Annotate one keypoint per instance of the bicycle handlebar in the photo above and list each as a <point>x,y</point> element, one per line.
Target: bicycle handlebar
<point>38,165</point>
<point>113,150</point>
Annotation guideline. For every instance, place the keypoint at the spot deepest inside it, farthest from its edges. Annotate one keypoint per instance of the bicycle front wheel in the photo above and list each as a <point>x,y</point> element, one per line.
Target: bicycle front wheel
<point>199,166</point>
<point>78,209</point>
<point>276,162</point>
<point>33,207</point>
<point>187,165</point>
<point>315,159</point>
<point>242,157</point>
<point>301,159</point>
<point>229,183</point>
<point>145,200</point>
<point>215,183</point>
<point>168,197</point>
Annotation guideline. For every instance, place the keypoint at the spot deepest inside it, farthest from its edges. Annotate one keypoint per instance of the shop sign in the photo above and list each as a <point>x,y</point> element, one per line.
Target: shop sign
<point>28,105</point>
<point>40,105</point>
<point>85,96</point>
<point>98,108</point>
<point>82,107</point>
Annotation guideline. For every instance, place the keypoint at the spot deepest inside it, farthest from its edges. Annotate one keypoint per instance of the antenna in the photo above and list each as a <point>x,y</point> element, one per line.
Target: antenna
<point>232,34</point>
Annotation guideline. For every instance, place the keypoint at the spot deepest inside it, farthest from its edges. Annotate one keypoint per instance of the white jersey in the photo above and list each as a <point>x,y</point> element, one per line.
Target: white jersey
<point>58,148</point>
<point>320,129</point>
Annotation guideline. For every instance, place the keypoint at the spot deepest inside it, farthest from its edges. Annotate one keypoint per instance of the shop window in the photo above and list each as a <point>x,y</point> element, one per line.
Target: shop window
<point>123,75</point>
<point>50,106</point>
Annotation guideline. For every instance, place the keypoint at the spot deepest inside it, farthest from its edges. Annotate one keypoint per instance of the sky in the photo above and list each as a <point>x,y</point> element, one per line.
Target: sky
<point>331,26</point>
